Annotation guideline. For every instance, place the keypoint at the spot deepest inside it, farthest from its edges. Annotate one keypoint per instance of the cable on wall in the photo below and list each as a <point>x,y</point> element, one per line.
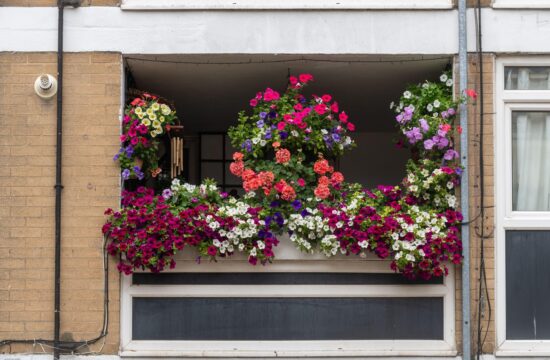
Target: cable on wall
<point>75,346</point>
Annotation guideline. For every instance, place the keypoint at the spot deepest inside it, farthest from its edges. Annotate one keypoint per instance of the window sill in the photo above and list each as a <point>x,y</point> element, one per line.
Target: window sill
<point>524,348</point>
<point>285,4</point>
<point>288,348</point>
<point>521,4</point>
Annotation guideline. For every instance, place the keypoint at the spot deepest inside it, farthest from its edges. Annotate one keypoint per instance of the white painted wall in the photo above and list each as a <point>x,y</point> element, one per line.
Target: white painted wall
<point>269,32</point>
<point>218,32</point>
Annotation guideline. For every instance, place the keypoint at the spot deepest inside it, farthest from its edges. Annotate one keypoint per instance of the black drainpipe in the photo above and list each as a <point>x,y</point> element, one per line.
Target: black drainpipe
<point>58,184</point>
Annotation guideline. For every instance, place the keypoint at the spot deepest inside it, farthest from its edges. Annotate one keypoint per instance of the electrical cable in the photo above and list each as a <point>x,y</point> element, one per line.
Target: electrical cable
<point>74,346</point>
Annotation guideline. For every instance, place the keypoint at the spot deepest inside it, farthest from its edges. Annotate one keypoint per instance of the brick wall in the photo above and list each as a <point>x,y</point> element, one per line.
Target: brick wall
<point>475,194</point>
<point>27,176</point>
<point>488,325</point>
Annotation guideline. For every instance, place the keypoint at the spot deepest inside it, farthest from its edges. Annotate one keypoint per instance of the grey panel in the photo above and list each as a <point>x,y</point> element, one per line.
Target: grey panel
<point>528,285</point>
<point>277,278</point>
<point>287,318</point>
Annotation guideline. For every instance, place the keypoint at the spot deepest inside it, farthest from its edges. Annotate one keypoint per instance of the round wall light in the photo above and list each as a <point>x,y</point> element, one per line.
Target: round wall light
<point>45,86</point>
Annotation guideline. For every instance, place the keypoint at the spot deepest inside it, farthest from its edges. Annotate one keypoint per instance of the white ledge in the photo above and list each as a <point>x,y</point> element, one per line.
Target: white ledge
<point>521,4</point>
<point>284,4</point>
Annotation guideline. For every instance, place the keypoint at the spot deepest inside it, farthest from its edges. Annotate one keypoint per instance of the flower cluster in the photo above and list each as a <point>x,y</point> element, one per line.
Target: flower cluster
<point>145,118</point>
<point>150,229</point>
<point>314,125</point>
<point>289,145</point>
<point>249,235</point>
<point>433,185</point>
<point>425,115</point>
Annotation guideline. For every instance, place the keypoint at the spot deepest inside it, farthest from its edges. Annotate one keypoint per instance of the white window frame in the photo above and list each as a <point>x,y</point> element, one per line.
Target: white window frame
<point>289,259</point>
<point>521,4</point>
<point>505,218</point>
<point>284,4</point>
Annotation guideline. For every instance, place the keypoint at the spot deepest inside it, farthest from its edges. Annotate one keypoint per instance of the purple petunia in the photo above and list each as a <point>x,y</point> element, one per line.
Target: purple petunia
<point>414,135</point>
<point>247,145</point>
<point>126,174</point>
<point>166,194</point>
<point>296,204</point>
<point>428,144</point>
<point>424,125</point>
<point>450,154</point>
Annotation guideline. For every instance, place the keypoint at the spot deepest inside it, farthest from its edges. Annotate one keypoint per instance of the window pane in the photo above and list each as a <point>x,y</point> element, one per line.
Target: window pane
<point>287,318</point>
<point>229,149</point>
<point>276,278</point>
<point>212,170</point>
<point>211,146</point>
<point>527,285</point>
<point>531,161</point>
<point>527,78</point>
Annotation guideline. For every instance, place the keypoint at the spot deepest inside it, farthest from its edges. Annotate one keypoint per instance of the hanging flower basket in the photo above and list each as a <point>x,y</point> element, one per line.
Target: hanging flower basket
<point>145,120</point>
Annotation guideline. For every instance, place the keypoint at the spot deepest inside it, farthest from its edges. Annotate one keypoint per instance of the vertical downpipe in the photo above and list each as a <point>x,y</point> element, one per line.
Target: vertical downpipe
<point>58,183</point>
<point>464,189</point>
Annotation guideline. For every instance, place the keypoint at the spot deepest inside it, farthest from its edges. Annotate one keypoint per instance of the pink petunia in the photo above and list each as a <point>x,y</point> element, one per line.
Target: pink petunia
<point>320,109</point>
<point>326,98</point>
<point>343,117</point>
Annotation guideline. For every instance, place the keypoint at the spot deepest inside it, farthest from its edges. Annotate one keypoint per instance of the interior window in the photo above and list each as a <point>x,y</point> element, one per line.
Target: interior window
<point>527,78</point>
<point>531,160</point>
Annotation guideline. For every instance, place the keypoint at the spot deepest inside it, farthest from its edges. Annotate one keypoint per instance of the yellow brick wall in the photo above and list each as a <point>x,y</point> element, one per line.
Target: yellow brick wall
<point>27,176</point>
<point>476,230</point>
<point>488,325</point>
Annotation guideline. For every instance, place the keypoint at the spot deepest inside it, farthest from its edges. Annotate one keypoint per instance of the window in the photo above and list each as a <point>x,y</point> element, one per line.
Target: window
<point>214,159</point>
<point>531,160</point>
<point>297,306</point>
<point>527,78</point>
<point>283,4</point>
<point>523,206</point>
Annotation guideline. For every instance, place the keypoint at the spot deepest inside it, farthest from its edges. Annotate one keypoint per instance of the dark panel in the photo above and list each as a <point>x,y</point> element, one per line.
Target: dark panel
<point>287,318</point>
<point>275,278</point>
<point>528,285</point>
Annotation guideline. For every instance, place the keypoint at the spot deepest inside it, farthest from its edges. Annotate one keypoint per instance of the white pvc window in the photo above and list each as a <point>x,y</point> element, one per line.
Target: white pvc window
<point>522,200</point>
<point>289,260</point>
<point>283,4</point>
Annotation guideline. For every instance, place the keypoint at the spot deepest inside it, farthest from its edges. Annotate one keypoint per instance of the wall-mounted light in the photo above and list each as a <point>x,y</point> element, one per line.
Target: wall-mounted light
<point>45,86</point>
